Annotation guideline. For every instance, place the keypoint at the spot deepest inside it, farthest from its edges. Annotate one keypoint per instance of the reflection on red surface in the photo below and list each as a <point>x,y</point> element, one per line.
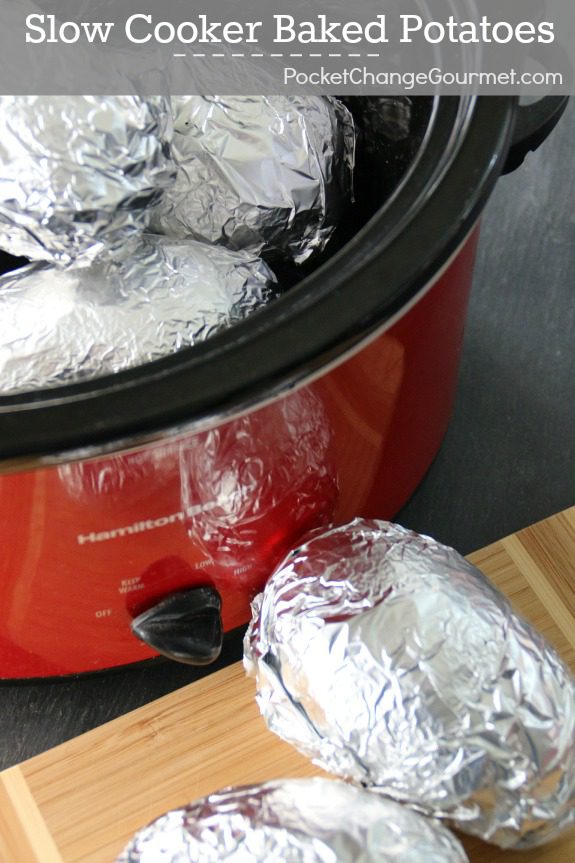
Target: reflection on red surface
<point>118,478</point>
<point>84,546</point>
<point>252,487</point>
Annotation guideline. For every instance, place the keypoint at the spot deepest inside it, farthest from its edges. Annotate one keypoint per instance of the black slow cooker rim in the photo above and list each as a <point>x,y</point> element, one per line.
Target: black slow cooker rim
<point>287,342</point>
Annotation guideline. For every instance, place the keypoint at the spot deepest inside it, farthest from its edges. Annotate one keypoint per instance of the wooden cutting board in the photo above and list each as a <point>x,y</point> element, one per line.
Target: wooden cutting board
<point>82,801</point>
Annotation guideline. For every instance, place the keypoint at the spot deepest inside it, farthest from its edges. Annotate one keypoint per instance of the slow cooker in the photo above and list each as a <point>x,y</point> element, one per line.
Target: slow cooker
<point>142,511</point>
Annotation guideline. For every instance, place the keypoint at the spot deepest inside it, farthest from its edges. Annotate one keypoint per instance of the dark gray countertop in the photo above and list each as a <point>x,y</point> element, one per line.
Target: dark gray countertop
<point>508,458</point>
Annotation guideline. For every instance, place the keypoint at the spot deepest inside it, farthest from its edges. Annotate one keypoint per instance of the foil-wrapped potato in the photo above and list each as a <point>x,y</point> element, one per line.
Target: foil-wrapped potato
<point>270,174</point>
<point>392,661</point>
<point>295,821</point>
<point>78,173</point>
<point>59,326</point>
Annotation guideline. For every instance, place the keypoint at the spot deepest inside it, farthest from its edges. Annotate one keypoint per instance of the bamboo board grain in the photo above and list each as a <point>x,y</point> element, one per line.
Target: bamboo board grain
<point>81,802</point>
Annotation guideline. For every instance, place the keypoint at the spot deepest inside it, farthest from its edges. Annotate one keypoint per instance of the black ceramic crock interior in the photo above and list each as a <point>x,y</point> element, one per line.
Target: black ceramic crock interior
<point>395,251</point>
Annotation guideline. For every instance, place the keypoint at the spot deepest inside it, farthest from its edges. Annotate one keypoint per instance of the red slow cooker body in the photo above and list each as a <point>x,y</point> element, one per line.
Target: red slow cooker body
<point>89,544</point>
<point>328,404</point>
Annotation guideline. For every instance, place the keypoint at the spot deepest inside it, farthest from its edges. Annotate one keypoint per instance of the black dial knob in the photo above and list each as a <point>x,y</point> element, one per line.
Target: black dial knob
<point>185,626</point>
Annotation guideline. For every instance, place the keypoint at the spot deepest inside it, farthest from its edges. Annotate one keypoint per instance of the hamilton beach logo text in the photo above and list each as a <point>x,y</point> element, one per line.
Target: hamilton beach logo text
<point>143,526</point>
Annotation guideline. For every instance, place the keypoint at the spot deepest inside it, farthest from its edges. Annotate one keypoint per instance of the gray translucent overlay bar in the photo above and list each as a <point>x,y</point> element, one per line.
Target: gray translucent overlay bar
<point>517,47</point>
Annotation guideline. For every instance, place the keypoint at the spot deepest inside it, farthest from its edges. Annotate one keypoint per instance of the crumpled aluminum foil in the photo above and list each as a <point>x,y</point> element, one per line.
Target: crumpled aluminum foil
<point>77,173</point>
<point>269,174</point>
<point>390,660</point>
<point>58,326</point>
<point>294,821</point>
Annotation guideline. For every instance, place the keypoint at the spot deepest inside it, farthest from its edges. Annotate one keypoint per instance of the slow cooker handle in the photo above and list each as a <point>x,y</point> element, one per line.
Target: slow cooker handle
<point>533,124</point>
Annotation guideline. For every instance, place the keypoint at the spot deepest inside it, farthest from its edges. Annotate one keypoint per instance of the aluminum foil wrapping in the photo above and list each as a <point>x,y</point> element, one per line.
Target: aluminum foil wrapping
<point>390,660</point>
<point>77,173</point>
<point>265,173</point>
<point>64,325</point>
<point>295,821</point>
